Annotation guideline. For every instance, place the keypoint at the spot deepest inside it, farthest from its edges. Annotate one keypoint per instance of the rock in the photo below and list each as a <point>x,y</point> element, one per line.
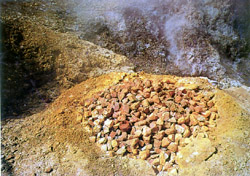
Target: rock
<point>114,143</point>
<point>138,133</point>
<point>198,109</point>
<point>144,154</point>
<point>152,117</point>
<point>131,98</point>
<point>145,103</point>
<point>92,139</point>
<point>173,120</point>
<point>157,143</point>
<point>125,109</point>
<point>170,131</point>
<point>181,120</point>
<point>109,123</point>
<point>178,137</point>
<point>178,99</point>
<point>147,83</point>
<point>160,121</point>
<point>171,137</point>
<point>156,99</point>
<point>122,118</point>
<point>104,148</point>
<point>163,157</point>
<point>146,139</point>
<point>201,118</point>
<point>186,133</point>
<point>135,106</point>
<point>124,126</point>
<point>193,120</point>
<point>112,134</point>
<point>121,95</point>
<point>121,151</point>
<point>48,170</point>
<point>172,172</point>
<point>156,162</point>
<point>154,127</point>
<point>179,129</point>
<point>102,140</point>
<point>159,135</point>
<point>173,147</point>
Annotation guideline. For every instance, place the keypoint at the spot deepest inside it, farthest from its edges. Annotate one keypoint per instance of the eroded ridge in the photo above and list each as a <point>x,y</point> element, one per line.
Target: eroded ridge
<point>149,120</point>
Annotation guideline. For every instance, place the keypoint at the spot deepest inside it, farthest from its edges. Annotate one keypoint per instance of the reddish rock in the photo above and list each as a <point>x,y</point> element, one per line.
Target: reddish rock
<point>171,93</point>
<point>146,139</point>
<point>146,131</point>
<point>157,150</point>
<point>124,126</point>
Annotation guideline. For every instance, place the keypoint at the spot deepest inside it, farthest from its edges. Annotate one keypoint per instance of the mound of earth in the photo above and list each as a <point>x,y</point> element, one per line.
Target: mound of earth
<point>56,142</point>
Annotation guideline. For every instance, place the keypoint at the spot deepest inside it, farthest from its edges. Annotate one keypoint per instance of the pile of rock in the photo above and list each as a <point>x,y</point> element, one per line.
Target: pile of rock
<point>147,120</point>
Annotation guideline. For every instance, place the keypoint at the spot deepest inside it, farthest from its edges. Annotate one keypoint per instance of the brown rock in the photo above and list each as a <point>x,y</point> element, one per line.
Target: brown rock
<point>144,154</point>
<point>155,99</point>
<point>137,114</point>
<point>134,142</point>
<point>146,139</point>
<point>159,135</point>
<point>112,134</point>
<point>173,147</point>
<point>170,131</point>
<point>193,120</point>
<point>152,117</point>
<point>147,83</point>
<point>125,109</point>
<point>122,118</point>
<point>124,126</point>
<point>156,162</point>
<point>153,127</point>
<point>146,131</point>
<point>206,114</point>
<point>157,143</point>
<point>134,119</point>
<point>160,121</point>
<point>198,109</point>
<point>135,106</point>
<point>165,142</point>
<point>145,103</point>
<point>178,99</point>
<point>186,133</point>
<point>171,137</point>
<point>141,123</point>
<point>181,120</point>
<point>165,116</point>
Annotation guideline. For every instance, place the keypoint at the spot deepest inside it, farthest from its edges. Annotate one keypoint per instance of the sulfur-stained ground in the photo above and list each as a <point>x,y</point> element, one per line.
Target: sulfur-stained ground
<point>52,142</point>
